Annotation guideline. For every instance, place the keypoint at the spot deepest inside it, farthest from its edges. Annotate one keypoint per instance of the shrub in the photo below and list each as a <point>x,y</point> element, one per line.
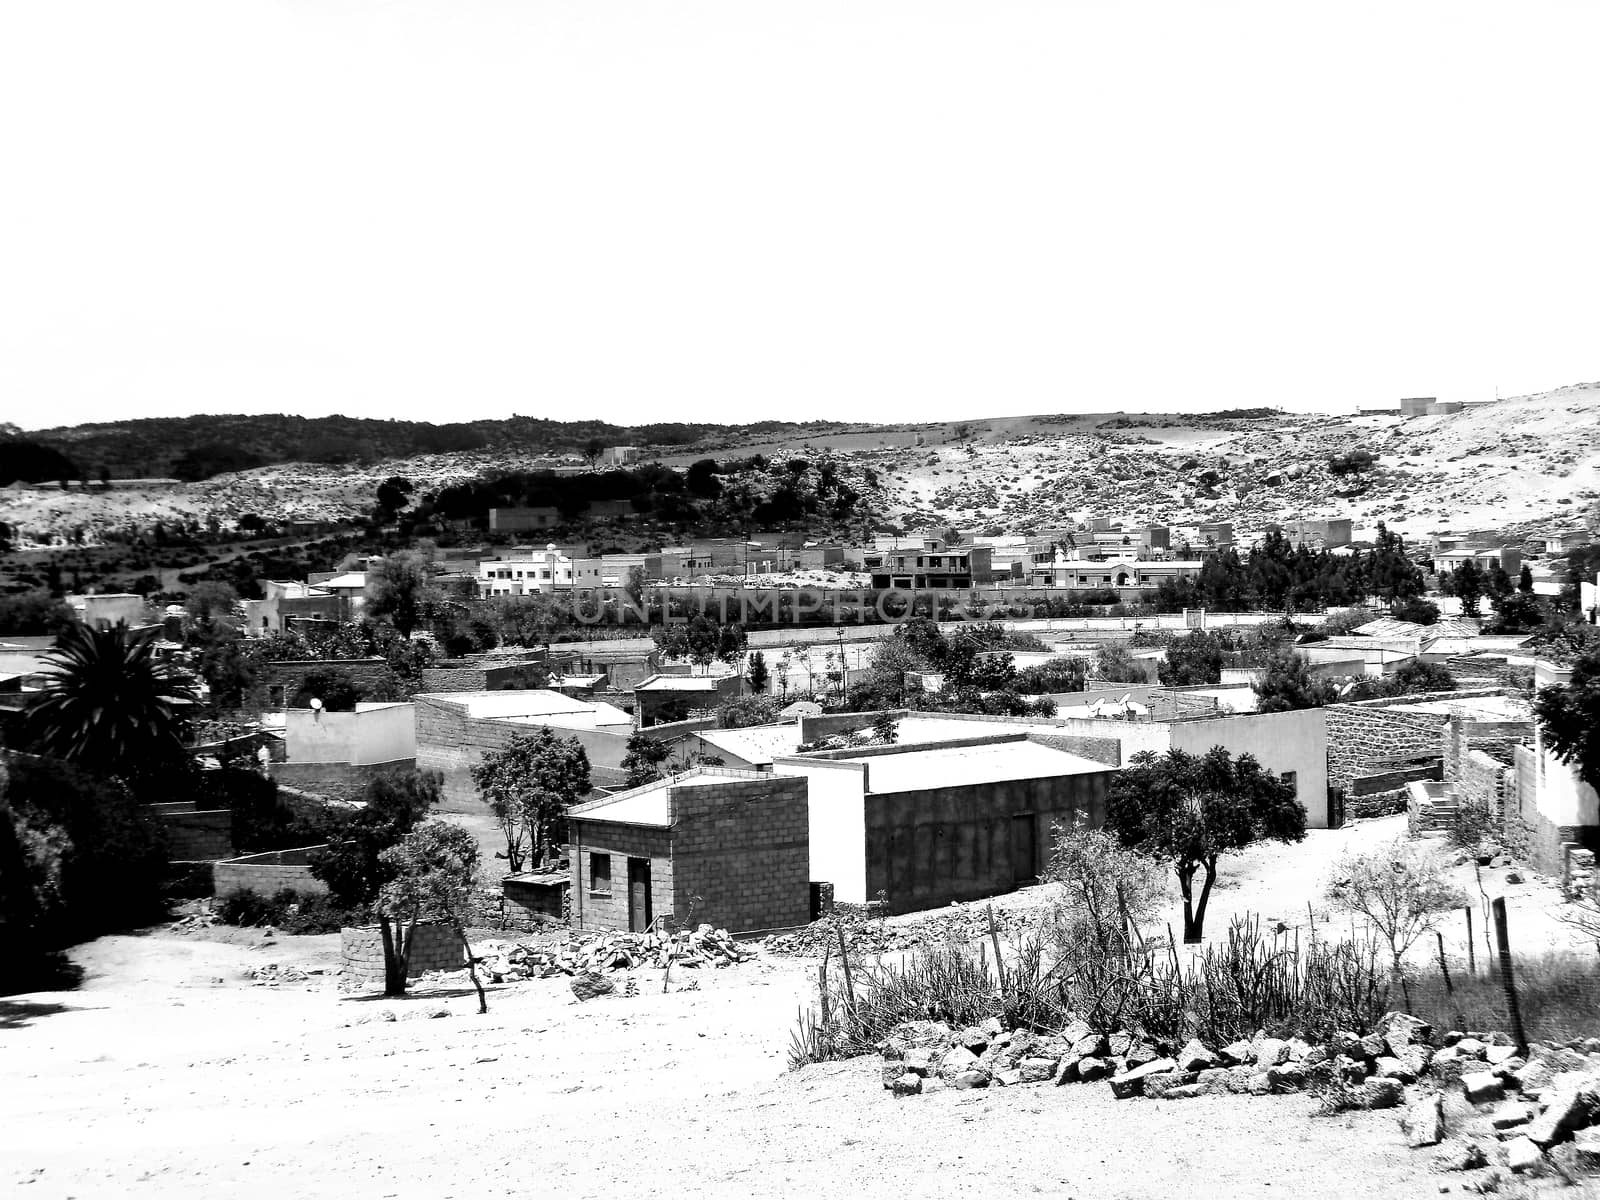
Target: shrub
<point>288,910</point>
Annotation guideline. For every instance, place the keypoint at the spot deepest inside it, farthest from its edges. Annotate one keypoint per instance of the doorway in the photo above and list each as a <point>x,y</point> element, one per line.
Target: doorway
<point>639,914</point>
<point>1024,850</point>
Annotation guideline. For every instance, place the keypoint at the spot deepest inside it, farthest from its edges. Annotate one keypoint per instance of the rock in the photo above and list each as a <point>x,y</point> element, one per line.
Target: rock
<point>1315,1055</point>
<point>1470,1047</point>
<point>1269,1052</point>
<point>1483,1087</point>
<point>1532,1078</point>
<point>1350,1070</point>
<point>967,1080</point>
<point>1591,1045</point>
<point>1585,1145</point>
<point>1416,1059</point>
<point>1066,1071</point>
<point>1298,1049</point>
<point>1160,1087</point>
<point>1037,1070</point>
<point>1075,1032</point>
<point>586,985</point>
<point>992,1028</point>
<point>1512,1114</point>
<point>932,1084</point>
<point>1400,1030</point>
<point>907,1085</point>
<point>1142,1054</point>
<point>1216,1079</point>
<point>1499,1056</point>
<point>954,1061</point>
<point>1513,876</point>
<point>1424,1122</point>
<point>1237,1054</point>
<point>892,1073</point>
<point>1091,1045</point>
<point>1006,1077</point>
<point>974,1039</point>
<point>1260,1084</point>
<point>1460,1156</point>
<point>919,1060</point>
<point>1392,1068</point>
<point>1195,1057</point>
<point>1372,1047</point>
<point>932,1035</point>
<point>1523,1155</point>
<point>1287,1077</point>
<point>1091,1069</point>
<point>1382,1093</point>
<point>1119,1044</point>
<point>1131,1081</point>
<point>1570,1105</point>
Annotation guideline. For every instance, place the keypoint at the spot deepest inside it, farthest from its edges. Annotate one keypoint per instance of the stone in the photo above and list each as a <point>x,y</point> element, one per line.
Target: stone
<point>1239,1079</point>
<point>1470,1047</point>
<point>1287,1077</point>
<point>1499,1056</point>
<point>907,1085</point>
<point>1591,1045</point>
<point>1037,1070</point>
<point>1400,1030</point>
<point>1315,1055</point>
<point>954,1061</point>
<point>1460,1156</point>
<point>586,985</point>
<point>1416,1059</point>
<point>1523,1155</point>
<point>1066,1071</point>
<point>967,1080</point>
<point>932,1084</point>
<point>1372,1046</point>
<point>1512,1114</point>
<point>892,1071</point>
<point>1131,1081</point>
<point>1350,1070</point>
<point>993,1028</point>
<point>1160,1087</point>
<point>932,1035</point>
<point>1091,1069</point>
<point>1215,1079</point>
<point>1091,1045</point>
<point>1382,1093</point>
<point>1076,1031</point>
<point>1347,1044</point>
<point>1392,1068</point>
<point>1298,1049</point>
<point>1260,1084</point>
<point>1119,1044</point>
<point>919,1060</point>
<point>1532,1078</point>
<point>1586,1150</point>
<point>1195,1057</point>
<point>1570,1105</point>
<point>1006,1077</point>
<point>1483,1087</point>
<point>1269,1052</point>
<point>1237,1054</point>
<point>974,1039</point>
<point>1142,1054</point>
<point>1424,1122</point>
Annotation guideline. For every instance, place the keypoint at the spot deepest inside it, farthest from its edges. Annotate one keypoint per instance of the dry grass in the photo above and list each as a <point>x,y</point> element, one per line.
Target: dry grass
<point>1559,993</point>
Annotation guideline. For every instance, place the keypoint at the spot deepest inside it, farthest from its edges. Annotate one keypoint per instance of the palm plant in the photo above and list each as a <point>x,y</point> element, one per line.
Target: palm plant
<point>109,705</point>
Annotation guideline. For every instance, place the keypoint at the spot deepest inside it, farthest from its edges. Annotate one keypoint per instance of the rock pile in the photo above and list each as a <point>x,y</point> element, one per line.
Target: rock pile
<point>1534,1113</point>
<point>962,923</point>
<point>592,953</point>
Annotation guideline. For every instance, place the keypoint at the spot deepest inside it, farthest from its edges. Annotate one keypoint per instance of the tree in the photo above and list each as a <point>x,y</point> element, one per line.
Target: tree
<point>1569,717</point>
<point>431,873</point>
<point>1194,659</point>
<point>1469,586</point>
<point>1108,886</point>
<point>1403,888</point>
<point>33,614</point>
<point>1525,580</point>
<point>1115,664</point>
<point>1062,674</point>
<point>1190,811</point>
<point>529,784</point>
<point>756,673</point>
<point>744,711</point>
<point>592,451</point>
<point>394,493</point>
<point>352,862</point>
<point>702,640</point>
<point>335,687</point>
<point>209,601</point>
<point>1288,685</point>
<point>643,760</point>
<point>110,706</point>
<point>1417,612</point>
<point>400,590</point>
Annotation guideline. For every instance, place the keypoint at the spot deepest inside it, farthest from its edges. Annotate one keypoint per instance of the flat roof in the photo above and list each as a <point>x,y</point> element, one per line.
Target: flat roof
<point>650,804</point>
<point>679,683</point>
<point>1493,708</point>
<point>527,702</point>
<point>755,744</point>
<point>963,766</point>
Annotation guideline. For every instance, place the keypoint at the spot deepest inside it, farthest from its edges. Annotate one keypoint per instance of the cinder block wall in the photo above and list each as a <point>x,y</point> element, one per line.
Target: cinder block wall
<point>193,834</point>
<point>609,910</point>
<point>267,873</point>
<point>743,847</point>
<point>435,948</point>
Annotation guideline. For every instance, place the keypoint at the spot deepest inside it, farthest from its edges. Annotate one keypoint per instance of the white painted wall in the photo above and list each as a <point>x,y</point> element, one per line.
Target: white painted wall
<point>1291,741</point>
<point>836,801</point>
<point>1561,797</point>
<point>372,734</point>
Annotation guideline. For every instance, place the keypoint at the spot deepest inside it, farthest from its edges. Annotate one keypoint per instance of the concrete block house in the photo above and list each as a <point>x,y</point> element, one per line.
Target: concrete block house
<point>724,847</point>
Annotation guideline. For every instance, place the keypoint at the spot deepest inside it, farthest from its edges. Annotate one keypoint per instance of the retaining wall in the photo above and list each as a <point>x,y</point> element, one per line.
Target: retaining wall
<point>434,948</point>
<point>268,873</point>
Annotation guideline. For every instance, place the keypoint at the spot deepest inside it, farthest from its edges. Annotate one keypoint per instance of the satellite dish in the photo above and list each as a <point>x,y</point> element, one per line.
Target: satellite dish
<point>316,705</point>
<point>1126,696</point>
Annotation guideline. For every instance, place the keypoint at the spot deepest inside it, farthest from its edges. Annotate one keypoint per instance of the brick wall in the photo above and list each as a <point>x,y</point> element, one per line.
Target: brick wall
<point>267,873</point>
<point>743,847</point>
<point>434,948</point>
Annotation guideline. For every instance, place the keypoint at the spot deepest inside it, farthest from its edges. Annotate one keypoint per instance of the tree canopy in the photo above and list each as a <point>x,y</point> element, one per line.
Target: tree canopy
<point>1569,717</point>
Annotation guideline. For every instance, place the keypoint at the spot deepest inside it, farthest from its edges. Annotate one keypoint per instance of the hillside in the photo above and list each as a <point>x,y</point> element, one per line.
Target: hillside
<point>1522,462</point>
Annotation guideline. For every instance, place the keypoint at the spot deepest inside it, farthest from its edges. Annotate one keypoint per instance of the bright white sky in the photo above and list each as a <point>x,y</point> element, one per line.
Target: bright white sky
<point>742,209</point>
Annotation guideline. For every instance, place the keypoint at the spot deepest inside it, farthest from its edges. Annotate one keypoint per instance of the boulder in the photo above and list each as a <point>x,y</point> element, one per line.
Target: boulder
<point>1237,1054</point>
<point>1460,1156</point>
<point>1259,1084</point>
<point>1287,1077</point>
<point>1037,1070</point>
<point>1142,1054</point>
<point>954,1061</point>
<point>1119,1044</point>
<point>1424,1122</point>
<point>1195,1057</point>
<point>974,1039</point>
<point>1372,1046</point>
<point>1392,1068</point>
<point>907,1085</point>
<point>1006,1078</point>
<point>1350,1070</point>
<point>1483,1087</point>
<point>1499,1056</point>
<point>932,1035</point>
<point>1570,1105</point>
<point>1269,1052</point>
<point>1090,1045</point>
<point>1400,1030</point>
<point>1160,1087</point>
<point>1523,1155</point>
<point>969,1079</point>
<point>1299,1048</point>
<point>920,1060</point>
<point>1382,1093</point>
<point>1131,1081</point>
<point>1075,1032</point>
<point>1585,1146</point>
<point>1470,1047</point>
<point>1091,1069</point>
<point>586,985</point>
<point>1511,1114</point>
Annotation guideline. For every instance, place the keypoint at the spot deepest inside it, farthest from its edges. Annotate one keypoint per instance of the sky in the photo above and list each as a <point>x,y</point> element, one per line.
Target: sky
<point>737,210</point>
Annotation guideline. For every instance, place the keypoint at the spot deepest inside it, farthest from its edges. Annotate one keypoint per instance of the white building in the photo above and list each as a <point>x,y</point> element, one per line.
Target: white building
<point>528,573</point>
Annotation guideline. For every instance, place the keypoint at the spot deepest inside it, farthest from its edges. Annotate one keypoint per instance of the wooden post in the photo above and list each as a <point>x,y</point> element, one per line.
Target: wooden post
<point>1472,954</point>
<point>844,959</point>
<point>999,963</point>
<point>1444,967</point>
<point>1507,980</point>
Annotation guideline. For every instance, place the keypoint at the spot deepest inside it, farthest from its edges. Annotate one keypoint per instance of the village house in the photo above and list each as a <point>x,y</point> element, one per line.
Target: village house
<point>936,564</point>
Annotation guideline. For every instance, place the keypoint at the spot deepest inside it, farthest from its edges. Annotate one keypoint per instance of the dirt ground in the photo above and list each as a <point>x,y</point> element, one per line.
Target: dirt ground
<point>168,1073</point>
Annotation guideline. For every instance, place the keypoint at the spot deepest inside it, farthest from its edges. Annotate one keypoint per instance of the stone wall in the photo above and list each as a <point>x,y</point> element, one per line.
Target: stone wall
<point>434,948</point>
<point>268,873</point>
<point>1368,738</point>
<point>288,674</point>
<point>1527,833</point>
<point>337,781</point>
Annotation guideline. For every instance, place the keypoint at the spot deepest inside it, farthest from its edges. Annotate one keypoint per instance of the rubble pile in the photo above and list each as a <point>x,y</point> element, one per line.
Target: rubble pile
<point>589,954</point>
<point>274,974</point>
<point>874,937</point>
<point>1523,1114</point>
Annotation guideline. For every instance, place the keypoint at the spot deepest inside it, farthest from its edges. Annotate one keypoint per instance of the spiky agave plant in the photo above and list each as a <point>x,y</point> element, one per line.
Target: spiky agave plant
<point>109,705</point>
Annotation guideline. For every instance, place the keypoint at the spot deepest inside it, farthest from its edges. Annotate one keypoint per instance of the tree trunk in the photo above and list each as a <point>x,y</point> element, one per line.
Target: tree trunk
<point>472,969</point>
<point>1186,889</point>
<point>1193,931</point>
<point>396,954</point>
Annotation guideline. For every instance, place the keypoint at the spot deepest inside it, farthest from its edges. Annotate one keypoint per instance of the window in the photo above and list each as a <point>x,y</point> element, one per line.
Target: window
<point>600,874</point>
<point>1289,777</point>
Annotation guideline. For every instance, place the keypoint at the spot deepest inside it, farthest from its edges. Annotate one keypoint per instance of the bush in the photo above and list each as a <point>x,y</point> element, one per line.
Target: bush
<point>287,910</point>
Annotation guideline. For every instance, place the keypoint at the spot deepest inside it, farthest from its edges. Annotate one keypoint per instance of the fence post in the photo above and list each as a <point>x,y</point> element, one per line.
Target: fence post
<point>1472,955</point>
<point>1444,967</point>
<point>1507,980</point>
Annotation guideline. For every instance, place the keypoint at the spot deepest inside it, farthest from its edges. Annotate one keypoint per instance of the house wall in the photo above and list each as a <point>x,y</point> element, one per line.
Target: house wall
<point>742,848</point>
<point>930,847</point>
<point>1283,741</point>
<point>523,676</point>
<point>361,738</point>
<point>1529,831</point>
<point>592,910</point>
<point>836,823</point>
<point>1364,738</point>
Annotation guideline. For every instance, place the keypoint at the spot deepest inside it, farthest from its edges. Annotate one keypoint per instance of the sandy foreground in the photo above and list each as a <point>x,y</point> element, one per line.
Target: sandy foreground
<point>168,1073</point>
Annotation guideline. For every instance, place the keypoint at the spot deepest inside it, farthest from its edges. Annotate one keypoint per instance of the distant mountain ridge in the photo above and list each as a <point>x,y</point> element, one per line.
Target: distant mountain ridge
<point>197,447</point>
